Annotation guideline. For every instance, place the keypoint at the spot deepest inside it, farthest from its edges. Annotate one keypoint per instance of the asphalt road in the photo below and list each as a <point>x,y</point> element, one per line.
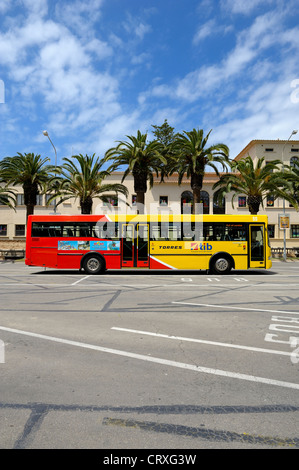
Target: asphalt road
<point>149,360</point>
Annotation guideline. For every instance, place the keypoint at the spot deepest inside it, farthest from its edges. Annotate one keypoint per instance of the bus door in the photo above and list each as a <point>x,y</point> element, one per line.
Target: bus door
<point>142,245</point>
<point>257,246</point>
<point>127,245</point>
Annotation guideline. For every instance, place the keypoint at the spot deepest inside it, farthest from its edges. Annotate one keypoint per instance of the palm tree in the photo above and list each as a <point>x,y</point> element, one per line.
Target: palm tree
<point>29,171</point>
<point>255,182</point>
<point>292,176</point>
<point>7,197</point>
<point>82,178</point>
<point>191,157</point>
<point>142,159</point>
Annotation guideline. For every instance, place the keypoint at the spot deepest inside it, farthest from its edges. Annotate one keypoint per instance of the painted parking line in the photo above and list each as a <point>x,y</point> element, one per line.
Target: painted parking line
<point>157,360</point>
<point>229,307</point>
<point>80,280</point>
<point>203,341</point>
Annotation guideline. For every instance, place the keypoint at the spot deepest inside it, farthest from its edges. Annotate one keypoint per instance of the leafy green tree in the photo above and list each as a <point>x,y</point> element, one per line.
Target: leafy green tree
<point>191,156</point>
<point>256,182</point>
<point>29,171</point>
<point>139,158</point>
<point>164,133</point>
<point>166,136</point>
<point>82,178</point>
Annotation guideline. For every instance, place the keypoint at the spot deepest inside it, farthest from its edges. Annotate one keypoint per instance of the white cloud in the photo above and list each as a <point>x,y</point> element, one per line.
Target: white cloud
<point>100,49</point>
<point>244,7</point>
<point>135,26</point>
<point>51,69</point>
<point>142,29</point>
<point>246,95</point>
<point>267,113</point>
<point>82,80</point>
<point>15,44</point>
<point>265,31</point>
<point>4,5</point>
<point>79,16</point>
<point>204,31</point>
<point>36,7</point>
<point>142,58</point>
<point>63,54</point>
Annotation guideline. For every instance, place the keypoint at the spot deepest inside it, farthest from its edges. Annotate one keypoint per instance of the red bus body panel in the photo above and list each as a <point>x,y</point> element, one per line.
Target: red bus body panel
<point>43,251</point>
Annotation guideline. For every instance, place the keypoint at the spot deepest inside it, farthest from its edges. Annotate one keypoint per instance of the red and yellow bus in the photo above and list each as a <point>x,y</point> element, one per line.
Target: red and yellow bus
<point>96,243</point>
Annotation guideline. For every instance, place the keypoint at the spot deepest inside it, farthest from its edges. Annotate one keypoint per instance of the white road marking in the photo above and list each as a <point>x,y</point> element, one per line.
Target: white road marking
<point>157,360</point>
<point>203,341</point>
<point>236,308</point>
<point>82,279</point>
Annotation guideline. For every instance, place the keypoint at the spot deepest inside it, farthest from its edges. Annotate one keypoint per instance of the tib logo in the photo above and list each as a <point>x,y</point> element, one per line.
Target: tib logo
<point>2,92</point>
<point>2,358</point>
<point>201,247</point>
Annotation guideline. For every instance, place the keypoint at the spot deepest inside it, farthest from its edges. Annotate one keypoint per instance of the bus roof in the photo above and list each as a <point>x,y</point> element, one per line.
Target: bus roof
<point>149,217</point>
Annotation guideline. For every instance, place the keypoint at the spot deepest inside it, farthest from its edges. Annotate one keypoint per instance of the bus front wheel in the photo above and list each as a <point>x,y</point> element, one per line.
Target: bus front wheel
<point>221,265</point>
<point>93,264</point>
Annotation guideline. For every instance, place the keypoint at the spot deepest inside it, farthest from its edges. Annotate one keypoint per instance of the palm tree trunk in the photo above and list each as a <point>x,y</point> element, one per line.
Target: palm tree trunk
<point>254,204</point>
<point>29,210</point>
<point>196,186</point>
<point>140,188</point>
<point>140,202</point>
<point>30,193</point>
<point>86,205</point>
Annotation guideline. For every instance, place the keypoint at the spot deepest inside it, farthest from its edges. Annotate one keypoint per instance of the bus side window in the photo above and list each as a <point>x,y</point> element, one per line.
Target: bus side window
<point>218,232</point>
<point>236,231</point>
<point>208,232</point>
<point>84,232</point>
<point>155,231</point>
<point>174,231</point>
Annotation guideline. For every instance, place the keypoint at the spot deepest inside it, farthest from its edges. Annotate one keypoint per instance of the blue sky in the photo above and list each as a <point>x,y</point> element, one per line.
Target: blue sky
<point>91,72</point>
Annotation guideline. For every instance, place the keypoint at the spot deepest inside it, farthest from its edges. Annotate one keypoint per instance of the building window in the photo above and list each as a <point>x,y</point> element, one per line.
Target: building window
<point>269,150</point>
<point>134,199</point>
<point>186,201</point>
<point>47,199</point>
<point>205,201</point>
<point>218,207</point>
<point>163,201</point>
<point>270,201</point>
<point>271,231</point>
<point>294,231</point>
<point>294,150</point>
<point>20,200</point>
<point>294,162</point>
<point>3,230</point>
<point>20,230</point>
<point>39,200</point>
<point>242,201</point>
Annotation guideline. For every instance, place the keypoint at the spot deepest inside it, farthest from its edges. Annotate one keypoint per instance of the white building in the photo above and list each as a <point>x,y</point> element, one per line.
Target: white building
<point>168,196</point>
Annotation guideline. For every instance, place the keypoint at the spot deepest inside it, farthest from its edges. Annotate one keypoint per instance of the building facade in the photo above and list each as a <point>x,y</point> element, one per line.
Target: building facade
<point>170,197</point>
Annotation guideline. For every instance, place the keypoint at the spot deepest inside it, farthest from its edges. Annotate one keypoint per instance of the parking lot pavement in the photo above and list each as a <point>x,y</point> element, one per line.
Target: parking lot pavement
<point>130,360</point>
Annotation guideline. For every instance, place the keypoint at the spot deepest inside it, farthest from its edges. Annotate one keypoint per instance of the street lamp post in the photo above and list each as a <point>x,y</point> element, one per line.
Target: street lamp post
<point>47,135</point>
<point>284,202</point>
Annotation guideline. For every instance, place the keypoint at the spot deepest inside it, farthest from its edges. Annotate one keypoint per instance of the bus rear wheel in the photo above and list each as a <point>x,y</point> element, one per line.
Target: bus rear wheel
<point>221,265</point>
<point>93,264</point>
